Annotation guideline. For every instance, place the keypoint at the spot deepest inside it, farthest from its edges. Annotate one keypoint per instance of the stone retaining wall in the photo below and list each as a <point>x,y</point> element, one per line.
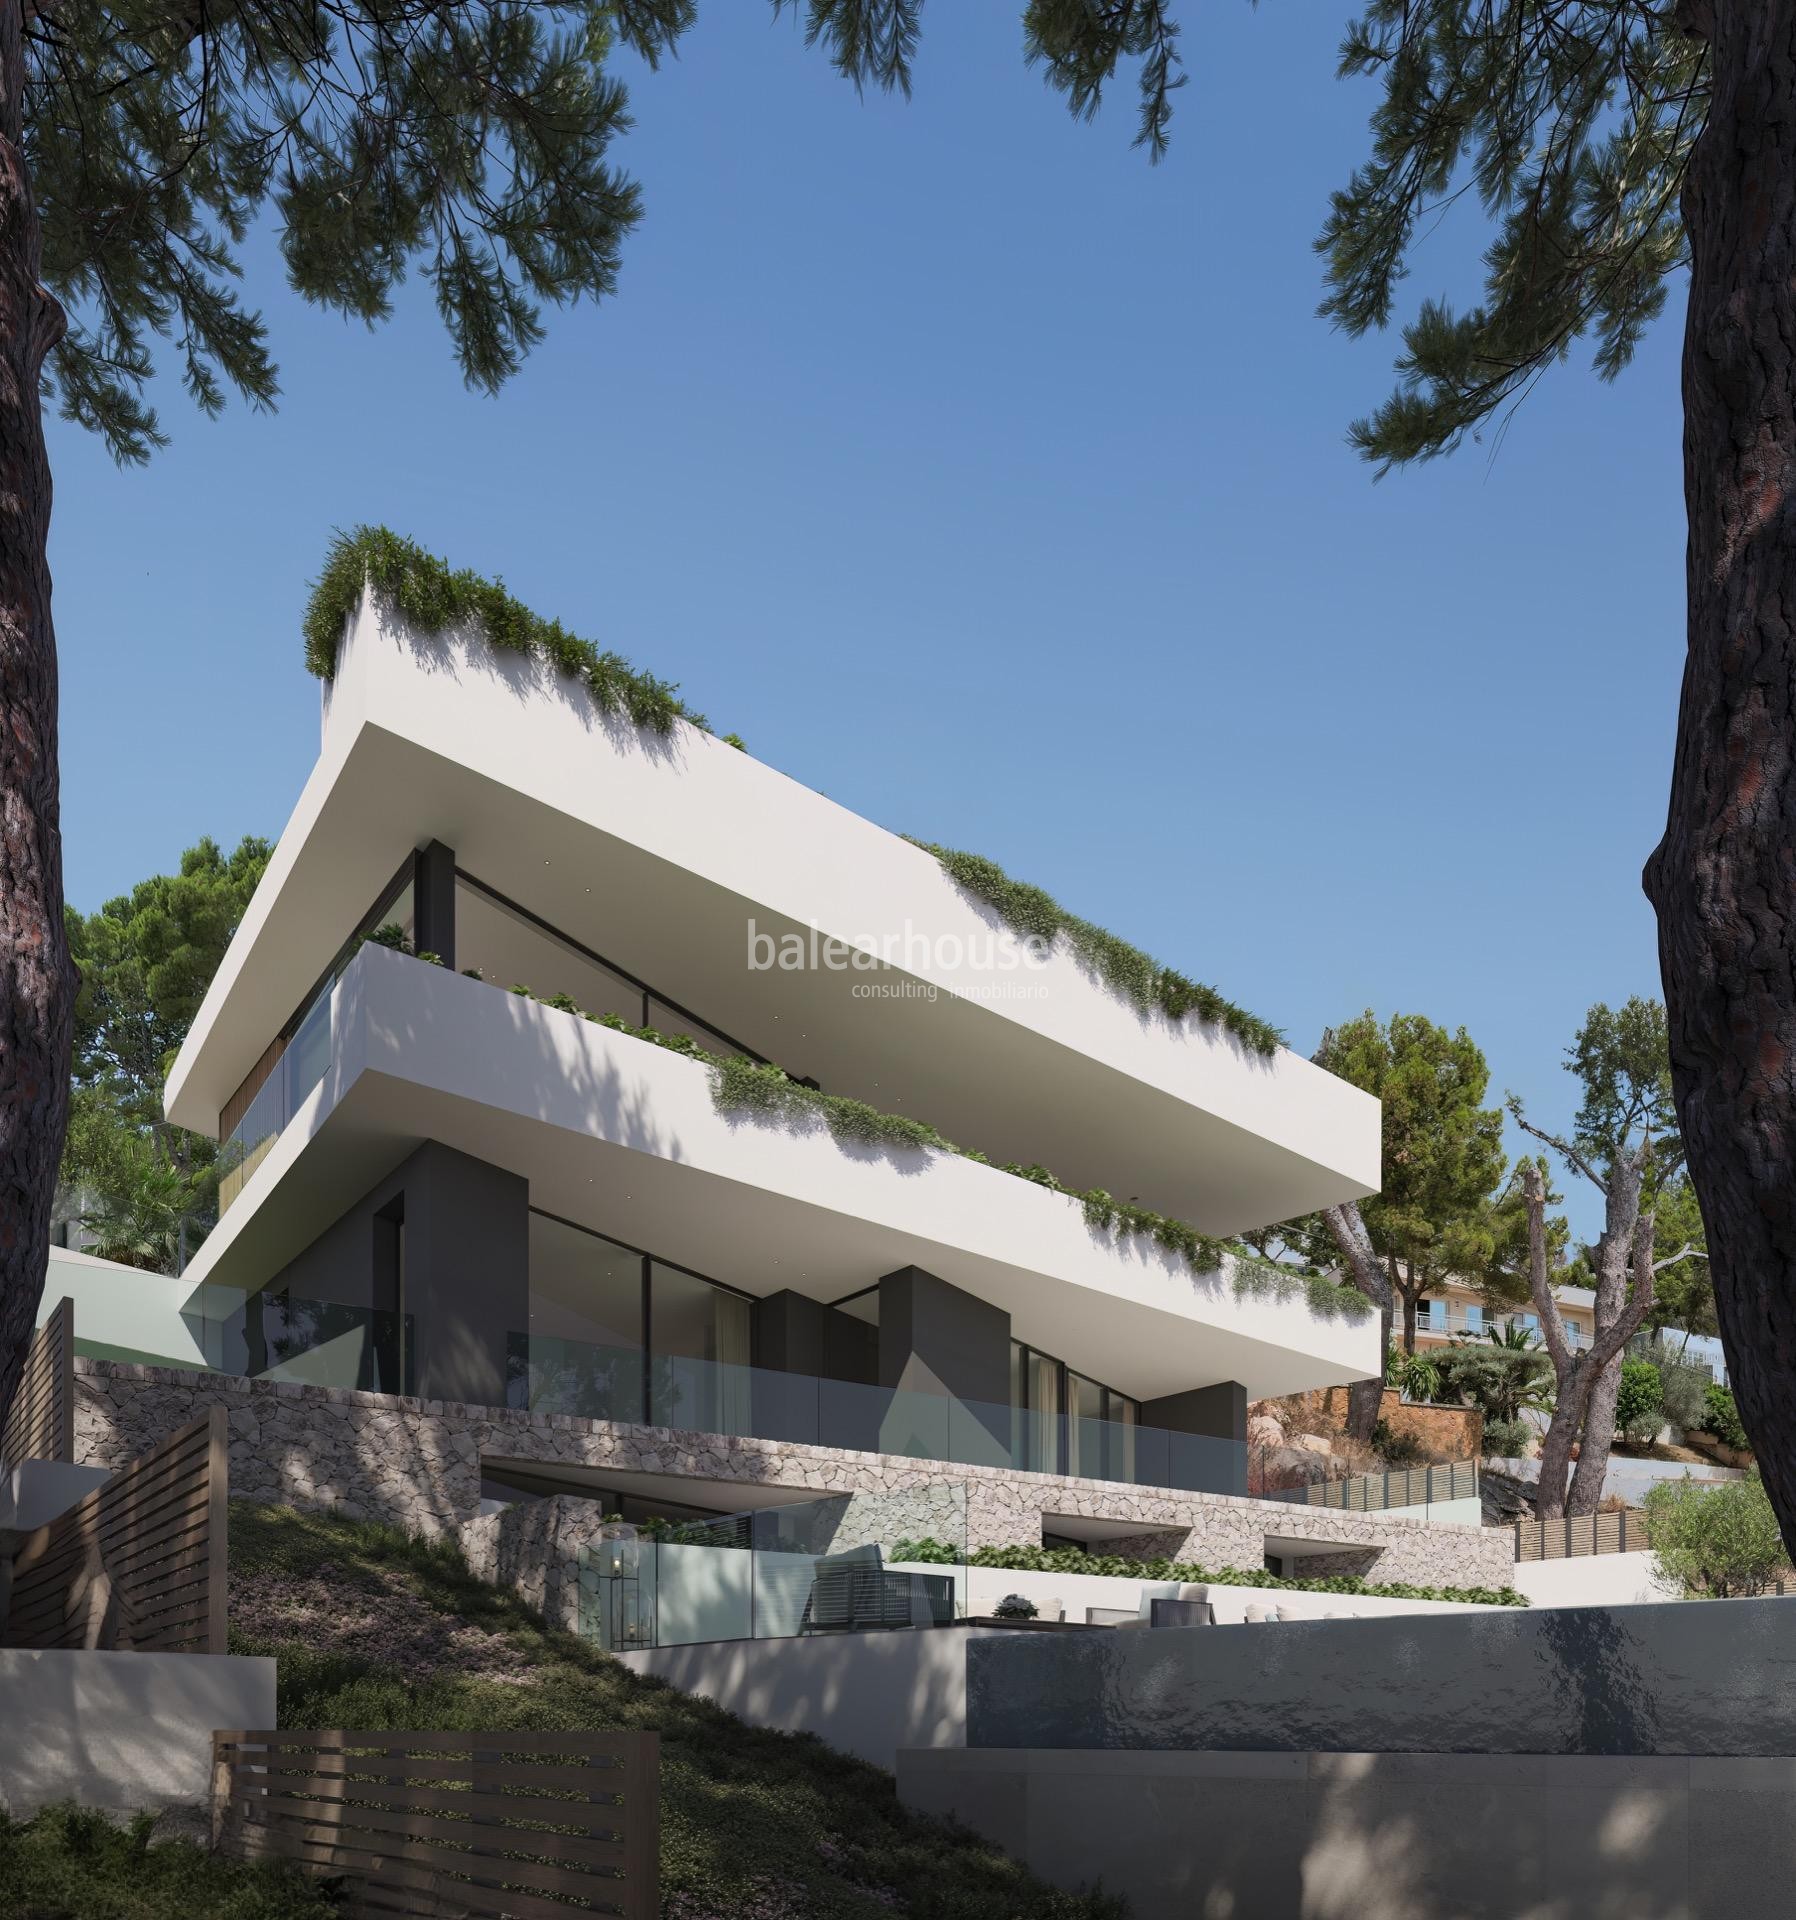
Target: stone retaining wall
<point>417,1464</point>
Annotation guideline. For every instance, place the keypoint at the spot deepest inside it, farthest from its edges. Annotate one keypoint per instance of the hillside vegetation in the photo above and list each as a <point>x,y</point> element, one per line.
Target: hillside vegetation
<point>376,1629</point>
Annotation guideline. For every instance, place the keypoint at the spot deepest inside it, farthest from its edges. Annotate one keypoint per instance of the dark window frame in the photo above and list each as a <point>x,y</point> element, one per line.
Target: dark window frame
<point>630,979</point>
<point>649,1261</point>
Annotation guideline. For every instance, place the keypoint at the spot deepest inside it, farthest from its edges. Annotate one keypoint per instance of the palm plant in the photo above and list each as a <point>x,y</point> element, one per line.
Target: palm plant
<point>1415,1375</point>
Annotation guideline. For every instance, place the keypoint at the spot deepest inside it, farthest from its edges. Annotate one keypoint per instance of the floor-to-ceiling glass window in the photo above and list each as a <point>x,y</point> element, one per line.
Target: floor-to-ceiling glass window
<point>1035,1409</point>
<point>507,944</point>
<point>1100,1430</point>
<point>583,1350</point>
<point>1096,1437</point>
<point>699,1348</point>
<point>509,948</point>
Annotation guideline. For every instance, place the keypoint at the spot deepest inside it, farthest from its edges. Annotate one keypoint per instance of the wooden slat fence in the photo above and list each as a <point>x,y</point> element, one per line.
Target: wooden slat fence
<point>1570,1538</point>
<point>1401,1487</point>
<point>41,1422</point>
<point>138,1564</point>
<point>532,1826</point>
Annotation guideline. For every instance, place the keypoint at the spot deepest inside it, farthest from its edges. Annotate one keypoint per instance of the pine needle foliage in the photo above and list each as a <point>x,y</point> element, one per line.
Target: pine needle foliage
<point>766,1092</point>
<point>466,141</point>
<point>1571,123</point>
<point>469,141</point>
<point>1125,970</point>
<point>434,598</point>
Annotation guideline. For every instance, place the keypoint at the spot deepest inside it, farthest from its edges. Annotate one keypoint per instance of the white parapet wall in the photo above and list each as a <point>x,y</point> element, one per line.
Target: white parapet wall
<point>127,1732</point>
<point>36,1491</point>
<point>1067,1596</point>
<point>873,1694</point>
<point>868,1694</point>
<point>1591,1580</point>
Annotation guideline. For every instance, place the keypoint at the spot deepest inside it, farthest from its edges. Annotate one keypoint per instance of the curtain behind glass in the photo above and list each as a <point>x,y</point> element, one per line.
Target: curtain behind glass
<point>699,1335</point>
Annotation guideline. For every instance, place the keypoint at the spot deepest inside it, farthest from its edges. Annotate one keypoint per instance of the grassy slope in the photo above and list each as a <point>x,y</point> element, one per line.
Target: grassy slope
<point>375,1629</point>
<point>71,1863</point>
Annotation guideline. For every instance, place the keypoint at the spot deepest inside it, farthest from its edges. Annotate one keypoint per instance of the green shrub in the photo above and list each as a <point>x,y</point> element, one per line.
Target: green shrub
<point>1397,1449</point>
<point>1507,1439</point>
<point>73,1863</point>
<point>433,597</point>
<point>743,1809</point>
<point>1640,1402</point>
<point>741,1085</point>
<point>1415,1375</point>
<point>1721,1417</point>
<point>935,1553</point>
<point>1683,1389</point>
<point>1124,969</point>
<point>1714,1541</point>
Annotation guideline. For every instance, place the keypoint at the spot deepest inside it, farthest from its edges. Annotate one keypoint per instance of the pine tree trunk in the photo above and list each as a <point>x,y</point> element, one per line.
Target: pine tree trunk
<point>1563,1428</point>
<point>1409,1323</point>
<point>1724,877</point>
<point>1586,1493</point>
<point>1365,1398</point>
<point>37,978</point>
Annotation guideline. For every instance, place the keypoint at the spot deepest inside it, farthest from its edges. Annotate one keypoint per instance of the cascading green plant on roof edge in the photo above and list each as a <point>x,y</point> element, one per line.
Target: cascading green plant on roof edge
<point>1124,969</point>
<point>434,597</point>
<point>761,1089</point>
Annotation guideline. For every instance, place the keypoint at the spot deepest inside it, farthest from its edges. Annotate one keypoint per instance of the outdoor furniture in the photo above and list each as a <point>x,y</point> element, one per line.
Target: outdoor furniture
<point>855,1593</point>
<point>1111,1617</point>
<point>1181,1613</point>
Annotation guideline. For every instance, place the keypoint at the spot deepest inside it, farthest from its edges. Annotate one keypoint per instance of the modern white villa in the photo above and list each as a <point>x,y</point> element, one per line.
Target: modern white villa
<point>588,1090</point>
<point>449,1188</point>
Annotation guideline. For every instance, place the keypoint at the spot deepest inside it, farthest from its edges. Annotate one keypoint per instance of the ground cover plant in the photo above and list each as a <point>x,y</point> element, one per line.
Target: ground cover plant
<point>374,1628</point>
<point>757,1087</point>
<point>928,1552</point>
<point>72,1863</point>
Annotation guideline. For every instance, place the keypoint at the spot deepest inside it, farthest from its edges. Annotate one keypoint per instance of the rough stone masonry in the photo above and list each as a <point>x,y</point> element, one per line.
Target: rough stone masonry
<point>417,1464</point>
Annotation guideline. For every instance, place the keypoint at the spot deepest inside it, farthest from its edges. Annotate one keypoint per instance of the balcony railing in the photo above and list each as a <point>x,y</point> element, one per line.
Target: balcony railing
<point>298,1070</point>
<point>1450,1318</point>
<point>704,1396</point>
<point>1378,1492</point>
<point>773,1574</point>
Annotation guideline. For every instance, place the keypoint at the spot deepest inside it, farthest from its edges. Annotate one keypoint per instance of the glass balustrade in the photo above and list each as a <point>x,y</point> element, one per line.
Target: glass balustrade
<point>612,1383</point>
<point>835,1565</point>
<point>298,1070</point>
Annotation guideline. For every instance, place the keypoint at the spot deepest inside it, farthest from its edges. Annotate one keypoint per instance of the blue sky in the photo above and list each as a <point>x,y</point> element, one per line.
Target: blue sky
<point>994,483</point>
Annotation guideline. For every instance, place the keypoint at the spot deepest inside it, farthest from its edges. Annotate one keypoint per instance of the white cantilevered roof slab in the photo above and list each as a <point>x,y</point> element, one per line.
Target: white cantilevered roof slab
<point>659,852</point>
<point>624,1137</point>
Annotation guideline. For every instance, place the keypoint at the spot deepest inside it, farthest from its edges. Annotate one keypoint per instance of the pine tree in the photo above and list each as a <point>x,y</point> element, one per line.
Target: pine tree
<point>1612,144</point>
<point>141,139</point>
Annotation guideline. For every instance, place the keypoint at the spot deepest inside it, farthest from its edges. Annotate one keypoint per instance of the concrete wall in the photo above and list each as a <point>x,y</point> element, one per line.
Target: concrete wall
<point>38,1490</point>
<point>1385,1836</point>
<point>417,1463</point>
<point>1591,1580</point>
<point>869,1694</point>
<point>122,1731</point>
<point>122,1313</point>
<point>510,761</point>
<point>1680,1680</point>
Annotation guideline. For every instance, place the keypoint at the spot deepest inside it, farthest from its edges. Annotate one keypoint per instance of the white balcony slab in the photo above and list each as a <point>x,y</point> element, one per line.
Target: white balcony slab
<point>625,1137</point>
<point>659,853</point>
